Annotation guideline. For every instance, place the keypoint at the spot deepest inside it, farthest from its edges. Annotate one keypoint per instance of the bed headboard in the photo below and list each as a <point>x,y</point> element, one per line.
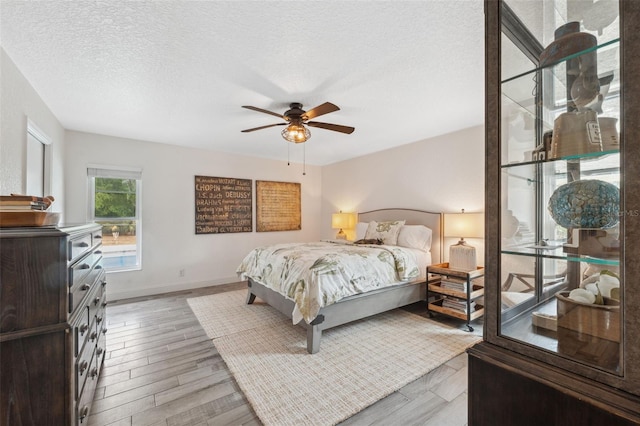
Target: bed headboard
<point>431,220</point>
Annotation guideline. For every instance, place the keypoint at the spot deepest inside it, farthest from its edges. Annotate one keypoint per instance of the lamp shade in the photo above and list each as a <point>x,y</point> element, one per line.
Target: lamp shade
<point>464,225</point>
<point>342,220</point>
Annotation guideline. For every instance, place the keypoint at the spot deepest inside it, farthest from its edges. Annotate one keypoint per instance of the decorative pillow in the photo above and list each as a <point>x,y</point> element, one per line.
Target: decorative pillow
<point>415,236</point>
<point>361,230</point>
<point>386,231</point>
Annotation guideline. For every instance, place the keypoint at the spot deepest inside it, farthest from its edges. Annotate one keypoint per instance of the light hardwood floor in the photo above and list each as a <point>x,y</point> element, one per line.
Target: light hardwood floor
<point>161,369</point>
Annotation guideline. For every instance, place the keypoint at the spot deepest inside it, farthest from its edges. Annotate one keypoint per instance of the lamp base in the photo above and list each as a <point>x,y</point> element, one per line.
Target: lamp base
<point>341,235</point>
<point>462,257</point>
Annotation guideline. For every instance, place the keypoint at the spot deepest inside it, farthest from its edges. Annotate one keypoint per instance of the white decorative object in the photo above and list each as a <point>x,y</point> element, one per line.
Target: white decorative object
<point>609,133</point>
<point>462,257</point>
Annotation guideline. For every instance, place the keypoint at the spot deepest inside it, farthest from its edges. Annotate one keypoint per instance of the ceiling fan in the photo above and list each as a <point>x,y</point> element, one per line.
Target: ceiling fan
<point>296,118</point>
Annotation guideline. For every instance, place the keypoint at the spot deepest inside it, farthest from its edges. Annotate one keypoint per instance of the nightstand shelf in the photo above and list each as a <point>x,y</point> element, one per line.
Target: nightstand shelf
<point>437,307</point>
<point>461,293</point>
<point>476,291</point>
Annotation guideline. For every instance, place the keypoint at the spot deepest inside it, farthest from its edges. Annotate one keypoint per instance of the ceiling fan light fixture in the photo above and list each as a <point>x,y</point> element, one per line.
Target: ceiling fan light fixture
<point>296,133</point>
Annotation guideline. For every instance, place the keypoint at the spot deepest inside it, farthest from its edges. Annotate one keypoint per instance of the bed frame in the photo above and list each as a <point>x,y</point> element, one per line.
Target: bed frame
<point>363,305</point>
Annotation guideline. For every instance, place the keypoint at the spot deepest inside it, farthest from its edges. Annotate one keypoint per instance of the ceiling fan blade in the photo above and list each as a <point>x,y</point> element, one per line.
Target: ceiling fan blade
<point>263,127</point>
<point>335,127</point>
<point>264,111</point>
<point>325,108</point>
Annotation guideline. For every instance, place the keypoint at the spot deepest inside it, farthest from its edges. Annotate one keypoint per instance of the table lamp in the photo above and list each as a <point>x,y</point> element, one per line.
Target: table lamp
<point>462,256</point>
<point>342,221</point>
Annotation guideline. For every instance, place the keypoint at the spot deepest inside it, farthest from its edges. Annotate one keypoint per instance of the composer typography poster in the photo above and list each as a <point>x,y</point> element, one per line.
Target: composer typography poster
<point>223,205</point>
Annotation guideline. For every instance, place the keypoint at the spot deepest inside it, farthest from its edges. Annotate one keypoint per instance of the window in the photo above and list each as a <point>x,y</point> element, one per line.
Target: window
<point>38,160</point>
<point>115,203</point>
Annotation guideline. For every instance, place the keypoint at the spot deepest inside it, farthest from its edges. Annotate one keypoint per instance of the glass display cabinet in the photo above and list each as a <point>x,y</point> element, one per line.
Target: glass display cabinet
<point>562,276</point>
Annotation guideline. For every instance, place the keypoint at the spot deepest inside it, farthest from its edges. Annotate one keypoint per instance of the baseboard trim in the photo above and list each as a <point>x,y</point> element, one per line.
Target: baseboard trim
<point>153,291</point>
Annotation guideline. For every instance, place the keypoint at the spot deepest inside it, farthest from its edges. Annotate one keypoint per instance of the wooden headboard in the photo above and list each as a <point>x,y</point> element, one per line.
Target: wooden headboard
<point>431,220</point>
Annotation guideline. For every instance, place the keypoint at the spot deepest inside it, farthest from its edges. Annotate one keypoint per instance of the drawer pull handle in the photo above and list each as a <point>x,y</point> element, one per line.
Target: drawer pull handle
<point>98,252</point>
<point>99,351</point>
<point>104,331</point>
<point>96,301</point>
<point>98,266</point>
<point>83,328</point>
<point>83,366</point>
<point>83,244</point>
<point>98,236</point>
<point>94,372</point>
<point>85,287</point>
<point>98,320</point>
<point>93,336</point>
<point>104,305</point>
<point>84,412</point>
<point>84,266</point>
<point>104,283</point>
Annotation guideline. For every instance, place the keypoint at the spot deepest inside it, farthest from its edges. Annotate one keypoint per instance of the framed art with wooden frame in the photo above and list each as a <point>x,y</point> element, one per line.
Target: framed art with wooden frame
<point>222,205</point>
<point>278,206</point>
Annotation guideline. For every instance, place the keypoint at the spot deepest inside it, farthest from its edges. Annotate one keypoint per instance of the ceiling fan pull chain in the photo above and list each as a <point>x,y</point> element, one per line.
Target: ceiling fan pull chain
<point>304,159</point>
<point>288,154</point>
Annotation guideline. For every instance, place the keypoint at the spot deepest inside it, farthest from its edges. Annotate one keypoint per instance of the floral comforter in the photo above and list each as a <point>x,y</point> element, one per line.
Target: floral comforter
<point>315,275</point>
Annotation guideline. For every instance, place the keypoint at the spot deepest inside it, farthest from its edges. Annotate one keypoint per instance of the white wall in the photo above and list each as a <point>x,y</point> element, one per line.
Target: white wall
<point>441,174</point>
<point>168,208</point>
<point>19,102</point>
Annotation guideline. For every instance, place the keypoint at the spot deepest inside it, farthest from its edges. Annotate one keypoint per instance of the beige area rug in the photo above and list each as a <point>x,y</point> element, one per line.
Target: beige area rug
<point>358,363</point>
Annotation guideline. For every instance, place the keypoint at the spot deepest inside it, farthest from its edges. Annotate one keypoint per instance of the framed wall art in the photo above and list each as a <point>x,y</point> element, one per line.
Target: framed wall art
<point>278,206</point>
<point>223,205</point>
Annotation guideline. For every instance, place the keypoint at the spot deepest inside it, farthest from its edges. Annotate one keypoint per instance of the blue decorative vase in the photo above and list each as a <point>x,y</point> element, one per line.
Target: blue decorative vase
<point>585,204</point>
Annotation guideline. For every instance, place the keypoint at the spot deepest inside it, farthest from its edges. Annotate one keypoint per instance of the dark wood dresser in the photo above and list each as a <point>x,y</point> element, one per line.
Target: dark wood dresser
<point>52,323</point>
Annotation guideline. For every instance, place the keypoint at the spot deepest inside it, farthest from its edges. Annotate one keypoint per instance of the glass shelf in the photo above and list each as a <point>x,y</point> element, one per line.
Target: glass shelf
<point>582,157</point>
<point>556,251</point>
<point>553,66</point>
<point>603,165</point>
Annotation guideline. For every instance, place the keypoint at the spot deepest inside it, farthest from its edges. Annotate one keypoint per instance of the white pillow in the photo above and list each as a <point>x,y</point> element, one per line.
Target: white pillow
<point>386,231</point>
<point>361,230</point>
<point>416,237</point>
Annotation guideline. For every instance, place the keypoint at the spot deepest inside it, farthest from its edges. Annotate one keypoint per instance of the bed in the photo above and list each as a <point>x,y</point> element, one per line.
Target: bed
<point>341,305</point>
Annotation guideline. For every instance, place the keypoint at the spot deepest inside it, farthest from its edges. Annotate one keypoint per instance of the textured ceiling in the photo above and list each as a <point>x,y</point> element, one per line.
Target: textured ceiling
<point>177,72</point>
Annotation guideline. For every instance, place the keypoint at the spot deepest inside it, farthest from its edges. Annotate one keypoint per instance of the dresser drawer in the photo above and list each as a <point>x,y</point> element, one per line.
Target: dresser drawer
<point>78,246</point>
<point>83,407</point>
<point>98,299</point>
<point>101,346</point>
<point>84,276</point>
<point>83,366</point>
<point>81,269</point>
<point>101,318</point>
<point>85,363</point>
<point>81,330</point>
<point>96,237</point>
